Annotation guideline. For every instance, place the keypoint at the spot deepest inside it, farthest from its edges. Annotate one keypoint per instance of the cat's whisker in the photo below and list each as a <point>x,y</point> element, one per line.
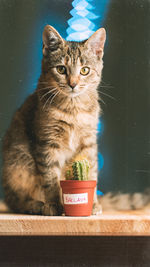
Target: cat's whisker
<point>102,101</point>
<point>51,97</point>
<point>50,91</point>
<point>108,95</point>
<point>61,90</point>
<point>62,84</point>
<point>49,87</point>
<point>42,82</point>
<point>43,88</point>
<point>54,97</point>
<point>44,95</point>
<point>46,102</point>
<point>106,86</point>
<point>62,87</point>
<point>104,82</point>
<point>103,86</point>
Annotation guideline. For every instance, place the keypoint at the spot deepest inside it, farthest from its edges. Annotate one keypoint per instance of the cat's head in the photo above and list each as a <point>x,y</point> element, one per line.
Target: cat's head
<point>72,67</point>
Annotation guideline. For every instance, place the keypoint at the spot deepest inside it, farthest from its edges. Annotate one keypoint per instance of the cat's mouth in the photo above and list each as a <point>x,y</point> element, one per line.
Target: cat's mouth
<point>68,91</point>
<point>74,94</point>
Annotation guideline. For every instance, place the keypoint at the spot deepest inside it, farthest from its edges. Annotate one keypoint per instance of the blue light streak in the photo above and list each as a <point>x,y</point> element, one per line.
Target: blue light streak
<point>81,27</point>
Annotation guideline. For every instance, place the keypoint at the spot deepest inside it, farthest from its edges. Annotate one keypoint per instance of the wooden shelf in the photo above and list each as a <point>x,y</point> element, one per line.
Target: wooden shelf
<point>113,224</point>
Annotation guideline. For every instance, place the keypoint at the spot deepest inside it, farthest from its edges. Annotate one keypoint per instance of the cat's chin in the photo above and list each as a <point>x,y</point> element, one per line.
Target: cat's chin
<point>77,93</point>
<point>73,94</point>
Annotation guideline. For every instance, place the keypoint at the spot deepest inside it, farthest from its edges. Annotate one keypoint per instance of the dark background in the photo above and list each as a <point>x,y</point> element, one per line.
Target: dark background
<point>125,141</point>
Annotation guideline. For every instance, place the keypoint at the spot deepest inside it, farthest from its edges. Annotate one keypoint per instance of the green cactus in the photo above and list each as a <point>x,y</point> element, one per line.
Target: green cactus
<point>68,175</point>
<point>80,170</point>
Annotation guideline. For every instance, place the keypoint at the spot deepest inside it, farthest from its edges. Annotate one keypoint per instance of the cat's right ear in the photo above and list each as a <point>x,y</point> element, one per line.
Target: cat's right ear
<point>96,42</point>
<point>51,39</point>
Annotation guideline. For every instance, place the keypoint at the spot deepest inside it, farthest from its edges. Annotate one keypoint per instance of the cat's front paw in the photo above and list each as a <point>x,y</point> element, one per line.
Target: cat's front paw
<point>52,209</point>
<point>97,209</point>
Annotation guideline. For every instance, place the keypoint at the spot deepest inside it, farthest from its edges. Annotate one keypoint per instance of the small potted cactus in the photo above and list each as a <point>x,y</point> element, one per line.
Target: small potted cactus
<point>77,189</point>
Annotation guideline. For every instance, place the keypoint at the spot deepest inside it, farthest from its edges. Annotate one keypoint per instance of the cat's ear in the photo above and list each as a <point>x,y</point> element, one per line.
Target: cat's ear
<point>96,41</point>
<point>51,39</point>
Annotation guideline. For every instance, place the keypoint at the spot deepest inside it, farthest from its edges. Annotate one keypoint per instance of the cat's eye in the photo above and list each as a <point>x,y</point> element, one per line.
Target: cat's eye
<point>85,71</point>
<point>61,69</point>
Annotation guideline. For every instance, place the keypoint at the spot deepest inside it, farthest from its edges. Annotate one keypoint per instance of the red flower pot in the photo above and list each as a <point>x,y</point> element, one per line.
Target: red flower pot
<point>78,197</point>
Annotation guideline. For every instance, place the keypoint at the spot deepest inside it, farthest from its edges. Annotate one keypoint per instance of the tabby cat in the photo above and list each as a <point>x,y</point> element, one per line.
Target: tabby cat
<point>55,124</point>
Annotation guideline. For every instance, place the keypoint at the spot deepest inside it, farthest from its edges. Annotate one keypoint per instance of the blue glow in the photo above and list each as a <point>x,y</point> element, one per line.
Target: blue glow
<point>99,193</point>
<point>75,36</point>
<point>99,126</point>
<point>87,32</point>
<point>100,161</point>
<point>81,4</point>
<point>83,13</point>
<point>80,25</point>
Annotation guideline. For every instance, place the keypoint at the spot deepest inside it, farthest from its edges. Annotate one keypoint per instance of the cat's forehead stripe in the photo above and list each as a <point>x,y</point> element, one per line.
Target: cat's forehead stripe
<point>66,59</point>
<point>73,53</point>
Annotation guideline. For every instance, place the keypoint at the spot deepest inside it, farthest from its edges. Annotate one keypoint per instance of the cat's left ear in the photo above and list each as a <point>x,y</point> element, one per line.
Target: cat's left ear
<point>51,39</point>
<point>96,42</point>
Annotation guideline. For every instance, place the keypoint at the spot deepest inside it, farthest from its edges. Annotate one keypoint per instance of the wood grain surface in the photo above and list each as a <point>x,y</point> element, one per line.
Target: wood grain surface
<point>117,223</point>
<point>111,239</point>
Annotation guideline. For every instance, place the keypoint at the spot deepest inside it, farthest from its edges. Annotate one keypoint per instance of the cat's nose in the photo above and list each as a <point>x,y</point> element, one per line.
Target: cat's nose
<point>73,85</point>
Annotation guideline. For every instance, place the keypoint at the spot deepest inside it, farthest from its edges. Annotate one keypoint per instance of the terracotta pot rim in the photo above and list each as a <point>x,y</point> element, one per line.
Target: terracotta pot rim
<point>77,181</point>
<point>78,184</point>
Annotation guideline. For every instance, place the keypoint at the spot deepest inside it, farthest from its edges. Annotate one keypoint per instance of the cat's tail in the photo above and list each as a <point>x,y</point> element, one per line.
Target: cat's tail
<point>120,201</point>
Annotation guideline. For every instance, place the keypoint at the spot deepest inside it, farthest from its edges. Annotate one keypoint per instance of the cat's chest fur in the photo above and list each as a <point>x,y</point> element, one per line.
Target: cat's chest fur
<point>81,127</point>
